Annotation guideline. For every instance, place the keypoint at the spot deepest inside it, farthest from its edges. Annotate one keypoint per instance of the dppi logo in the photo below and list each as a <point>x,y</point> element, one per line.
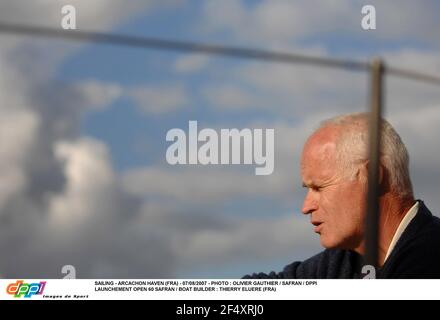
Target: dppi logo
<point>27,290</point>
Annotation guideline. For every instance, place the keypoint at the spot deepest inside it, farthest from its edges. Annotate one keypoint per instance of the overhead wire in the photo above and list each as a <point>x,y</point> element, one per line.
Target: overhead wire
<point>195,47</point>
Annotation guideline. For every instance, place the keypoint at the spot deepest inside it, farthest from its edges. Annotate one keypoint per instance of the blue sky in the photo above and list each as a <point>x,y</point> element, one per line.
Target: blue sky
<point>124,128</point>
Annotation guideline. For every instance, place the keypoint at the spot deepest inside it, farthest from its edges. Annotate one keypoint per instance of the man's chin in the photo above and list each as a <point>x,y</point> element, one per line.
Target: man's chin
<point>330,244</point>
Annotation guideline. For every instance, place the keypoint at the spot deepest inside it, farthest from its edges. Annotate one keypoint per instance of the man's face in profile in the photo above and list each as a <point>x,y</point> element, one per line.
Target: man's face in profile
<point>335,200</point>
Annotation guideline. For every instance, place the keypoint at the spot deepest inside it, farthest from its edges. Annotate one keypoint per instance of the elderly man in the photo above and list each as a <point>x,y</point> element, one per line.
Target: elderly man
<point>334,166</point>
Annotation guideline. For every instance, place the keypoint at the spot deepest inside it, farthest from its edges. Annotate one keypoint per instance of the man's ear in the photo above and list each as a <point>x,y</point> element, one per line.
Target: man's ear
<point>381,174</point>
<point>363,171</point>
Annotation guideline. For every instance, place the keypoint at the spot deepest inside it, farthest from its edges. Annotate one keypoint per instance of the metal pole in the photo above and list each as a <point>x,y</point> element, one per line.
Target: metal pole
<point>372,219</point>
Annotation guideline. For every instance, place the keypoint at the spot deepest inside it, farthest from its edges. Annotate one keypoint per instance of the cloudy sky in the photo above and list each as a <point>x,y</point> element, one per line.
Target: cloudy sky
<point>83,176</point>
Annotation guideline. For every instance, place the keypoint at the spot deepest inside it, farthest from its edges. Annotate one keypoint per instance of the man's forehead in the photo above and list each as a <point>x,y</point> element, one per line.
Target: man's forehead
<point>317,171</point>
<point>318,158</point>
<point>320,145</point>
<point>324,135</point>
<point>318,150</point>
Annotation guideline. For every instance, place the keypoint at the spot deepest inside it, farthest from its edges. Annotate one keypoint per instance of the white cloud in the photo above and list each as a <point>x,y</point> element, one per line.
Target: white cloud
<point>89,181</point>
<point>17,129</point>
<point>154,99</point>
<point>280,20</point>
<point>160,99</point>
<point>229,97</point>
<point>95,14</point>
<point>408,20</point>
<point>191,63</point>
<point>61,202</point>
<point>98,94</point>
<point>418,127</point>
<point>210,239</point>
<point>291,91</point>
<point>274,22</point>
<point>423,60</point>
<point>212,184</point>
<point>205,185</point>
<point>249,239</point>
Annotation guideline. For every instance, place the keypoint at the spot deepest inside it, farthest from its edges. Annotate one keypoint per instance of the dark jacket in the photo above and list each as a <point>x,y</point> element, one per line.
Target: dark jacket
<point>416,255</point>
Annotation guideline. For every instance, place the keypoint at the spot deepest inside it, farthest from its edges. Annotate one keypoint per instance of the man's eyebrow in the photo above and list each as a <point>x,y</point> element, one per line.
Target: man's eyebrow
<point>310,185</point>
<point>307,185</point>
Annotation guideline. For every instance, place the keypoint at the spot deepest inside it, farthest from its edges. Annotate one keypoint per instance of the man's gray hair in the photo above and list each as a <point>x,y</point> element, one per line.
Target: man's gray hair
<point>351,149</point>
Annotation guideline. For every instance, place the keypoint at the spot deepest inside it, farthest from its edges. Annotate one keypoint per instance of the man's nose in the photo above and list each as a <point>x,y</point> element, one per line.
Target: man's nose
<point>310,203</point>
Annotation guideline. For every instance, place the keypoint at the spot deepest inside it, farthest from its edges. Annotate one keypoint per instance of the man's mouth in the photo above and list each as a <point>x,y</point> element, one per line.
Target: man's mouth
<point>318,226</point>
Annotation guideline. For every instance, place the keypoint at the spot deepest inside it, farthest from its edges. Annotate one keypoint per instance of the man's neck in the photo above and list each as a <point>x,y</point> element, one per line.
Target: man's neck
<point>392,211</point>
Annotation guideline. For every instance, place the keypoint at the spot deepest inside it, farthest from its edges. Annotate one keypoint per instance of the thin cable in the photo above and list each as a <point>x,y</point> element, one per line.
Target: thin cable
<point>161,44</point>
<point>413,75</point>
<point>238,52</point>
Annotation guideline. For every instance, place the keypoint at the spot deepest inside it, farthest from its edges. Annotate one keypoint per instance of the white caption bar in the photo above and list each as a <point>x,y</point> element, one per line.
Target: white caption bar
<point>231,289</point>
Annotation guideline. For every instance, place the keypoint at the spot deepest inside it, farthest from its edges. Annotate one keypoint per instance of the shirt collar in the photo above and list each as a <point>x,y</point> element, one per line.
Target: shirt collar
<point>402,226</point>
